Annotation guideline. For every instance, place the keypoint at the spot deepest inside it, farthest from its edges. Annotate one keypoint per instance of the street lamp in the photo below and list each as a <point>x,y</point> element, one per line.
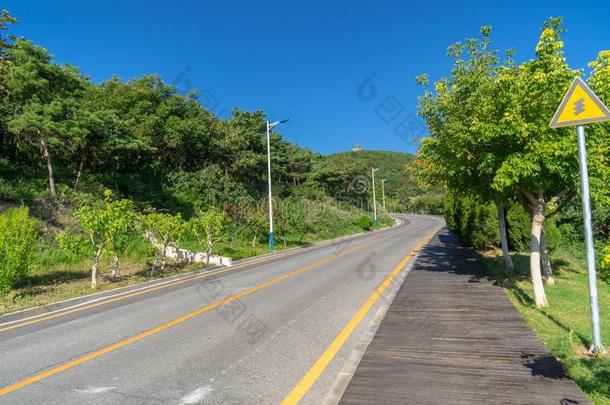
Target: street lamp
<point>373,170</point>
<point>270,126</point>
<point>383,192</point>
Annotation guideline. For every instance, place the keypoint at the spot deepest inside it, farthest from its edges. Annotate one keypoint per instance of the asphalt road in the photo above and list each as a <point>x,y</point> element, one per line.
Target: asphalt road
<point>243,336</point>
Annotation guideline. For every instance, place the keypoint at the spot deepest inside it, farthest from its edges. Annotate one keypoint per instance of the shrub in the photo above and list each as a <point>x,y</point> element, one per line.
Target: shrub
<point>364,222</point>
<point>18,234</point>
<point>519,227</point>
<point>473,220</point>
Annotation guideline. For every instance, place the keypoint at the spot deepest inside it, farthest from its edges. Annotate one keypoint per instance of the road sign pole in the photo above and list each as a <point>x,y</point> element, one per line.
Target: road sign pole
<point>586,204</point>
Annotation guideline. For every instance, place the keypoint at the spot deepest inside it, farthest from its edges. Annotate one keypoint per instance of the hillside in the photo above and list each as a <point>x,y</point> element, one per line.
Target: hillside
<point>350,173</point>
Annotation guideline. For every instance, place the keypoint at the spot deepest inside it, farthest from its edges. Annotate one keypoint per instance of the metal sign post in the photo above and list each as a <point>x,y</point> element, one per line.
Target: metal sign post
<point>581,106</point>
<point>586,205</point>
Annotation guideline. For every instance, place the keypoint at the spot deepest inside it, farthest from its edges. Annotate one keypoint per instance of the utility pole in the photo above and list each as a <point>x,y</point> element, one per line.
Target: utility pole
<point>270,126</point>
<point>373,170</point>
<point>383,193</point>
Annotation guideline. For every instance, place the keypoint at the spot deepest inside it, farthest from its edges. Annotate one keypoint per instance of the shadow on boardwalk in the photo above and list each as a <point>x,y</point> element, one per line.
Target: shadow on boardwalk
<point>451,336</point>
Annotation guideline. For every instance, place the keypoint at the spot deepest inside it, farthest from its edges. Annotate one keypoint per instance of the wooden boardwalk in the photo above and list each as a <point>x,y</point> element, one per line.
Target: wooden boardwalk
<point>452,337</point>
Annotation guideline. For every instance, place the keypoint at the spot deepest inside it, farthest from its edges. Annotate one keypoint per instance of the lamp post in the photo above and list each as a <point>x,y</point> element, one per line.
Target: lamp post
<point>383,193</point>
<point>373,170</point>
<point>270,126</point>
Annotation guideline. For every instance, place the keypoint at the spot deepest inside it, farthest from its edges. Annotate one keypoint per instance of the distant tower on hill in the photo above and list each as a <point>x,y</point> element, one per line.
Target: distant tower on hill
<point>356,148</point>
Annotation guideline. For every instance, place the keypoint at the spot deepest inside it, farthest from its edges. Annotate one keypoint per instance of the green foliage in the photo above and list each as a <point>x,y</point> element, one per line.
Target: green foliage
<point>17,246</point>
<point>474,221</point>
<point>347,176</point>
<point>430,203</point>
<point>208,228</point>
<point>605,268</point>
<point>106,228</point>
<point>365,222</point>
<point>519,227</point>
<point>121,224</point>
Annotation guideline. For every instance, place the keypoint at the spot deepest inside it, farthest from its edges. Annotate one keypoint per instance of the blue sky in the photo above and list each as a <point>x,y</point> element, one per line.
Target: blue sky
<point>305,60</point>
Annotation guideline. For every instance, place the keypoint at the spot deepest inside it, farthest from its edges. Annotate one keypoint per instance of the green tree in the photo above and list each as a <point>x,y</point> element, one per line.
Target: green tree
<point>257,222</point>
<point>18,244</point>
<point>95,224</point>
<point>542,162</point>
<point>166,230</point>
<point>208,228</point>
<point>44,97</point>
<point>122,228</point>
<point>464,115</point>
<point>108,227</point>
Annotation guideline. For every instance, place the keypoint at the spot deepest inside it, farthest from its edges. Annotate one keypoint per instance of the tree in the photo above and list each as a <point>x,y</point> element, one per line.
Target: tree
<point>108,228</point>
<point>168,230</point>
<point>207,228</point>
<point>94,224</point>
<point>257,222</point>
<point>543,161</point>
<point>464,116</point>
<point>121,228</point>
<point>18,243</point>
<point>44,97</point>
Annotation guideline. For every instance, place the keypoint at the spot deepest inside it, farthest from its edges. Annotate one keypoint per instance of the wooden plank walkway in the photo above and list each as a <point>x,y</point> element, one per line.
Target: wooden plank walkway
<point>451,336</point>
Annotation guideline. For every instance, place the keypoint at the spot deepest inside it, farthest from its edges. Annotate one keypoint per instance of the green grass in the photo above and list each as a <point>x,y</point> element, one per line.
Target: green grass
<point>565,325</point>
<point>59,275</point>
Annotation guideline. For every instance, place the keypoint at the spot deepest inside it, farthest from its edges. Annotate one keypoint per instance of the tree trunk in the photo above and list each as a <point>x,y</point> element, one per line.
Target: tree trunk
<point>115,266</point>
<point>537,224</point>
<point>508,262</point>
<point>96,263</point>
<point>254,240</point>
<point>164,257</point>
<point>47,155</point>
<point>547,270</point>
<point>153,269</point>
<point>81,165</point>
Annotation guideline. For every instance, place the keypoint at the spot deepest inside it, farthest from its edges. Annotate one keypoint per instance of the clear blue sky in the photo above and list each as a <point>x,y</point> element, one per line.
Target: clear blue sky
<point>299,59</point>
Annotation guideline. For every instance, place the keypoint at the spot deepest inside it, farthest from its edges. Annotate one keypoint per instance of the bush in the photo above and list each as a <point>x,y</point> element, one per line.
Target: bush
<point>474,221</point>
<point>431,204</point>
<point>519,227</point>
<point>364,222</point>
<point>17,246</point>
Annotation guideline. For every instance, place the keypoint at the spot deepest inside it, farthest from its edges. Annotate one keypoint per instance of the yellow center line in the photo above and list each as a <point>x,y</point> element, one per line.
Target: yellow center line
<point>73,363</point>
<point>147,290</point>
<point>305,384</point>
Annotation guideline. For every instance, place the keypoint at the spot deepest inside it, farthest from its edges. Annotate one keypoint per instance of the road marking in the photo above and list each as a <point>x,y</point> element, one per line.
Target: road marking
<point>83,359</point>
<point>196,396</point>
<point>103,301</point>
<point>94,390</point>
<point>305,384</point>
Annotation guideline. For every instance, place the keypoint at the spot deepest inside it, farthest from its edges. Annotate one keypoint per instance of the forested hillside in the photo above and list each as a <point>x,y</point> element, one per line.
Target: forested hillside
<point>346,172</point>
<point>89,171</point>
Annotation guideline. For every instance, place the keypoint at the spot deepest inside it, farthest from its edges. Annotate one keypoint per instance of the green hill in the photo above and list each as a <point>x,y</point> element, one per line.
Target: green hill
<point>347,175</point>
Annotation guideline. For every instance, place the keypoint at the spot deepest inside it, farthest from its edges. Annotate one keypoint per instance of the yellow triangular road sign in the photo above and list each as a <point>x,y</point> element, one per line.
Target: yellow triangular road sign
<point>580,106</point>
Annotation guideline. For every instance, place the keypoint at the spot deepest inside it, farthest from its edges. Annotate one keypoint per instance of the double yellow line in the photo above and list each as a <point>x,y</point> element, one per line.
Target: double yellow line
<point>125,342</point>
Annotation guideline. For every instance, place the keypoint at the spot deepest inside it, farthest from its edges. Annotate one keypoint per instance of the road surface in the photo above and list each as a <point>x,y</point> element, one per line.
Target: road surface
<point>246,335</point>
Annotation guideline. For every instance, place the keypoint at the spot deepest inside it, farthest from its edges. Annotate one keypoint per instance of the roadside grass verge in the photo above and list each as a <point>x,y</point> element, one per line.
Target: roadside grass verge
<point>565,325</point>
<point>59,276</point>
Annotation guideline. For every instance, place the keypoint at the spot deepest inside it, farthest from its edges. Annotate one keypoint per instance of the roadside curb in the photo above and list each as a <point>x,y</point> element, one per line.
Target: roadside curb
<point>31,313</point>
